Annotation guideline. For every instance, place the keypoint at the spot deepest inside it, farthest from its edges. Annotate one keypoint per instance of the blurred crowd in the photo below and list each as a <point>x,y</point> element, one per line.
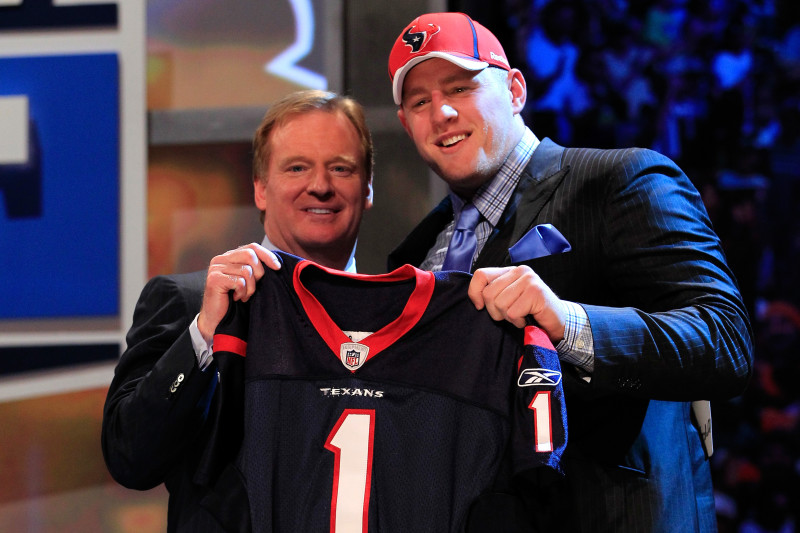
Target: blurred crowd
<point>715,85</point>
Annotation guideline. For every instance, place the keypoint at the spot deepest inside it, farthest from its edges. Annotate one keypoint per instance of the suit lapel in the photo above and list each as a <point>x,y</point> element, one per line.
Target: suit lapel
<point>538,182</point>
<point>532,202</point>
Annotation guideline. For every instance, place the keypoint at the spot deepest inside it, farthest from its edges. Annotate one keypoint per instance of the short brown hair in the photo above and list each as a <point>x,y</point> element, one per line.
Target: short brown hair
<point>301,102</point>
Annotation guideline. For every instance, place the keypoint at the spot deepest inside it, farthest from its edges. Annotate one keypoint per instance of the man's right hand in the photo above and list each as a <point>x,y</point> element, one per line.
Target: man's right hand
<point>238,271</point>
<point>513,293</point>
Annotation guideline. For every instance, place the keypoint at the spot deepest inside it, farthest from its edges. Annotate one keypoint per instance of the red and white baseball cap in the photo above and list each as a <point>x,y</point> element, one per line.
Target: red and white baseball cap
<point>451,36</point>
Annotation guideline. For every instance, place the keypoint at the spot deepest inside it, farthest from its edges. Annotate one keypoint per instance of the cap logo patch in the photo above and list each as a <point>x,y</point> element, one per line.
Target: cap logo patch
<point>498,58</point>
<point>417,40</point>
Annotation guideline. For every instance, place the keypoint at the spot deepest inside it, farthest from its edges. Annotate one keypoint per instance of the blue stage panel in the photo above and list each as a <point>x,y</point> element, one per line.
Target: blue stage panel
<point>59,210</point>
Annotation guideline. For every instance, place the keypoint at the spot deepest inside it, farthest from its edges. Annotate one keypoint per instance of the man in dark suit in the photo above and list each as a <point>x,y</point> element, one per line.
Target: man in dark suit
<point>611,252</point>
<point>171,415</point>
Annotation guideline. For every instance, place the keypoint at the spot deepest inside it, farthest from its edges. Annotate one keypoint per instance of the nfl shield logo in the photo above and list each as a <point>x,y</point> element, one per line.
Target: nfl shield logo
<point>351,358</point>
<point>353,354</point>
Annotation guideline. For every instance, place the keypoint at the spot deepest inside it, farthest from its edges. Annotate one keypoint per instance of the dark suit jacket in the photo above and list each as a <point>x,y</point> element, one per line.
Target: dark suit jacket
<point>668,322</point>
<point>161,420</point>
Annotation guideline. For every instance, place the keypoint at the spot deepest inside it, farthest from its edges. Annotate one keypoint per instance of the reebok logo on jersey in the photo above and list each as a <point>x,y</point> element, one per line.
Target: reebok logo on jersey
<point>539,376</point>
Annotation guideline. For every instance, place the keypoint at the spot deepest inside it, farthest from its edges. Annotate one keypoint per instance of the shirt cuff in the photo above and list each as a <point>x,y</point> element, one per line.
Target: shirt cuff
<point>202,349</point>
<point>577,347</point>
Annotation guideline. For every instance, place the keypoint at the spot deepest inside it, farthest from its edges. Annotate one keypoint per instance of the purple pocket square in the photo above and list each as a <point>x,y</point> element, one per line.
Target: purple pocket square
<point>540,241</point>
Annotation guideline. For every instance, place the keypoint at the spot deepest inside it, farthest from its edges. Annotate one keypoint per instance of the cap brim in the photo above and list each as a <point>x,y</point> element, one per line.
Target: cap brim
<point>467,63</point>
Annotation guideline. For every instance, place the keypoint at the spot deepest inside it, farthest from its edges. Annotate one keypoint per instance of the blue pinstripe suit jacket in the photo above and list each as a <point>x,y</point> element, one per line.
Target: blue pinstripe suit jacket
<point>667,318</point>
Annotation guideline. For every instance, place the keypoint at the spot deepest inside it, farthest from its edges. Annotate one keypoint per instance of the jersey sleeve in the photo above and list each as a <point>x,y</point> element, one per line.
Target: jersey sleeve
<point>226,416</point>
<point>539,429</point>
<point>230,337</point>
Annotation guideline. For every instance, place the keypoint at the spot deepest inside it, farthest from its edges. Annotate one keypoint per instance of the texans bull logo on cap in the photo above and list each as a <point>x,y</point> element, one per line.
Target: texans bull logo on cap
<point>418,39</point>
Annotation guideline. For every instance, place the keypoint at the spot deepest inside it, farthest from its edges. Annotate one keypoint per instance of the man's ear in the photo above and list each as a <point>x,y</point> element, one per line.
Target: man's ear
<point>260,193</point>
<point>402,116</point>
<point>519,90</point>
<point>369,197</point>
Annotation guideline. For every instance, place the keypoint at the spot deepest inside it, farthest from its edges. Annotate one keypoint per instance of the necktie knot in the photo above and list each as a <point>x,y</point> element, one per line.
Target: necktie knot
<point>463,243</point>
<point>468,218</point>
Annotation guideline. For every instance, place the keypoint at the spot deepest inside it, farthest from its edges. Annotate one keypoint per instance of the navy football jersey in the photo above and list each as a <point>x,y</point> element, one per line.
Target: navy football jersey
<point>386,402</point>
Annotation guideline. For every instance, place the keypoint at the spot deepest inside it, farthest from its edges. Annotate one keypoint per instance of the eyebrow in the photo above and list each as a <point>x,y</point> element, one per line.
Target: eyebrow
<point>340,158</point>
<point>344,159</point>
<point>291,159</point>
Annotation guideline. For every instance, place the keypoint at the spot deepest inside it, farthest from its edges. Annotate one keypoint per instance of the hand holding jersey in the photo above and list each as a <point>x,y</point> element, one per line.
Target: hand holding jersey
<point>516,293</point>
<point>233,273</point>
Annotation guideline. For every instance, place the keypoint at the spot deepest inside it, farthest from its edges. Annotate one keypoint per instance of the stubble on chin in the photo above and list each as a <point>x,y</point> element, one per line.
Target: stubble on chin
<point>467,181</point>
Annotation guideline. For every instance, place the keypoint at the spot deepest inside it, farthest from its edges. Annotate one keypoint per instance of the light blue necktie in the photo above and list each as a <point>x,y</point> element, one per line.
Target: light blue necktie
<point>463,242</point>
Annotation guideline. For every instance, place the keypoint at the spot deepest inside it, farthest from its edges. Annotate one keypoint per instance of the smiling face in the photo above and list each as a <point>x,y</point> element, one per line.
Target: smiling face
<point>316,187</point>
<point>463,123</point>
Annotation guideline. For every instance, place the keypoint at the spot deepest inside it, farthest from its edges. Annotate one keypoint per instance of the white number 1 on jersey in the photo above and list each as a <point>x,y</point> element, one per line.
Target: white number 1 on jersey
<point>351,442</point>
<point>540,405</point>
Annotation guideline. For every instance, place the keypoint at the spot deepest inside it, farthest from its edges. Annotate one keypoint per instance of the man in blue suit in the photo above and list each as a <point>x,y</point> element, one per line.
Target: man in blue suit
<point>644,311</point>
